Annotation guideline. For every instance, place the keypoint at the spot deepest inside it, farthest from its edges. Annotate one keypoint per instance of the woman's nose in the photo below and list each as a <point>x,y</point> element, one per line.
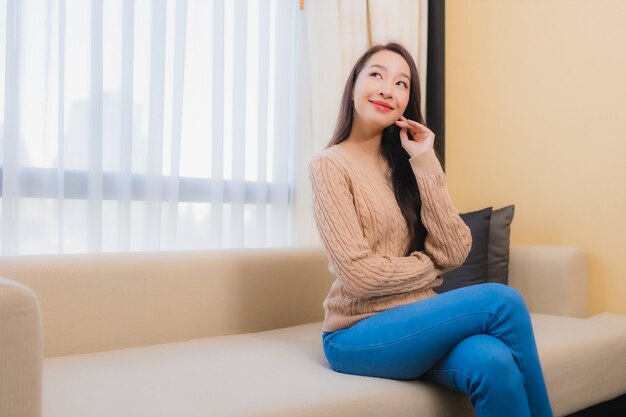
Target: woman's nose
<point>385,90</point>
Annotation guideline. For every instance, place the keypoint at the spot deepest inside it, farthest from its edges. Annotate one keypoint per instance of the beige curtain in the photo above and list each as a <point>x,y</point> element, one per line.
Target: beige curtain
<point>334,34</point>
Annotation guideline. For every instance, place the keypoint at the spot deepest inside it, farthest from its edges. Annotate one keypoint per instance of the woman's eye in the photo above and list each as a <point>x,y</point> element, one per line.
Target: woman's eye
<point>377,74</point>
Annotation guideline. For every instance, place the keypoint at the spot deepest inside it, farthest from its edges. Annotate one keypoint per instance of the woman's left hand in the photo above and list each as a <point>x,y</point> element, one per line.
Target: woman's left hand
<point>423,137</point>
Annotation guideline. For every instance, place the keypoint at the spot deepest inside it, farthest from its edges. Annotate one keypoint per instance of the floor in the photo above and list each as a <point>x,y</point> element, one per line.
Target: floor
<point>613,408</point>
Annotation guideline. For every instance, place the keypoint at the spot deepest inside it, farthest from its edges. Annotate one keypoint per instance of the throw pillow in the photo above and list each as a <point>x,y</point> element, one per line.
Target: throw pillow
<point>499,242</point>
<point>474,269</point>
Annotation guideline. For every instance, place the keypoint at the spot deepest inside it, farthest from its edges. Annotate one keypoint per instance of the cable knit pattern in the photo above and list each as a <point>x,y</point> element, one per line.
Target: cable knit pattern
<point>365,235</point>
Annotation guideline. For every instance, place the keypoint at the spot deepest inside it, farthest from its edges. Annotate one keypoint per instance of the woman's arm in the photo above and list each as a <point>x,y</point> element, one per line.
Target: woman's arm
<point>362,272</point>
<point>449,239</point>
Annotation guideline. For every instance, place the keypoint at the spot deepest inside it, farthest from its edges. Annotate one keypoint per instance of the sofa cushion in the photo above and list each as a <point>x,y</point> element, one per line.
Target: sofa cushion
<point>584,360</point>
<point>284,373</point>
<point>277,373</point>
<point>487,261</point>
<point>474,269</point>
<point>499,244</point>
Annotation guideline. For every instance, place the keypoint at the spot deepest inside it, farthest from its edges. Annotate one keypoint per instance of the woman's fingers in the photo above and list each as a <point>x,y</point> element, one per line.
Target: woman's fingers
<point>414,136</point>
<point>404,123</point>
<point>403,135</point>
<point>415,124</point>
<point>407,126</point>
<point>411,123</point>
<point>417,130</point>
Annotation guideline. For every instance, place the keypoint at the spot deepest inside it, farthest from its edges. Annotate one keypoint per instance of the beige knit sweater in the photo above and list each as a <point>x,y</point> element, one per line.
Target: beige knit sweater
<point>365,235</point>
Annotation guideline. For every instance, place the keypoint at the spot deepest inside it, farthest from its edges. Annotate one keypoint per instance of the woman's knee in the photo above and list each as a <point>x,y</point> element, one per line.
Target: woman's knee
<point>506,294</point>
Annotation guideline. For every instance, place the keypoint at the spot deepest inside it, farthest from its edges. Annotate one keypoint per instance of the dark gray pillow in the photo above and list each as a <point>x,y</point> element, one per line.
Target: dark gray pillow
<point>474,269</point>
<point>499,243</point>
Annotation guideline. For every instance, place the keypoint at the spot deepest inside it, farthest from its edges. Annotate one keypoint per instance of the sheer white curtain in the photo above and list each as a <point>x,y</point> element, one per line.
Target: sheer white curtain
<point>334,35</point>
<point>146,124</point>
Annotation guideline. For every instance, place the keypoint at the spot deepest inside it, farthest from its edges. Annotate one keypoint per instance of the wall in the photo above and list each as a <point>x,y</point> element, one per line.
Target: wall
<point>536,116</point>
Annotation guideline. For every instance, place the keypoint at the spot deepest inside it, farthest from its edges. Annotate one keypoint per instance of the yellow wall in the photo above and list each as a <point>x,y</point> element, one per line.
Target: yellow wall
<point>536,116</point>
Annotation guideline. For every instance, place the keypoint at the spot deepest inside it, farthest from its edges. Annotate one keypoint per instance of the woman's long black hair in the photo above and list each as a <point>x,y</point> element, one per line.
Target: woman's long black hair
<point>404,183</point>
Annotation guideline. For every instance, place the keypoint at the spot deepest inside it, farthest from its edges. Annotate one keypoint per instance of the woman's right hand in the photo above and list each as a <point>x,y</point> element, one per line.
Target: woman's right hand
<point>423,139</point>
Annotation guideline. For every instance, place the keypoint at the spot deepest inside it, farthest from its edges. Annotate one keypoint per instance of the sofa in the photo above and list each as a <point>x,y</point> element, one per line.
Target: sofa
<point>237,332</point>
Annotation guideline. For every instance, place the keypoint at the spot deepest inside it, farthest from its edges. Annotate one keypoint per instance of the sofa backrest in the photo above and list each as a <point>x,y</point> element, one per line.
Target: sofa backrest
<point>552,279</point>
<point>97,302</point>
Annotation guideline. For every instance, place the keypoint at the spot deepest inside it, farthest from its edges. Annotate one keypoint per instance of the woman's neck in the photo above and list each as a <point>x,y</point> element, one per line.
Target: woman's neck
<point>365,139</point>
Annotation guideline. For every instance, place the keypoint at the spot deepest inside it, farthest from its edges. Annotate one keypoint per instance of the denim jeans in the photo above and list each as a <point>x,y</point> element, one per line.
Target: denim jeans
<point>477,339</point>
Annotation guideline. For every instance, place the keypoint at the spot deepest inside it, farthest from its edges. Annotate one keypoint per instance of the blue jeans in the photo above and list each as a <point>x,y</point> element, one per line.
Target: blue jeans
<point>478,340</point>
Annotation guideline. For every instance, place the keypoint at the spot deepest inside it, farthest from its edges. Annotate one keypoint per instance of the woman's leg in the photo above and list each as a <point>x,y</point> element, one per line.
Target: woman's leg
<point>483,367</point>
<point>406,341</point>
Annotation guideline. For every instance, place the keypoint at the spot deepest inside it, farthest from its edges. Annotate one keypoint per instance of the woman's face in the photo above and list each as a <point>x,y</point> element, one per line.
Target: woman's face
<point>381,90</point>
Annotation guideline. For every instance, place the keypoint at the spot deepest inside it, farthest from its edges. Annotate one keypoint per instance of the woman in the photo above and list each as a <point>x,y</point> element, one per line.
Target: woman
<point>382,316</point>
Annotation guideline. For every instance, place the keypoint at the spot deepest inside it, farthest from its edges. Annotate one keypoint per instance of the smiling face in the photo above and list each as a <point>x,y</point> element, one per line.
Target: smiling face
<point>381,90</point>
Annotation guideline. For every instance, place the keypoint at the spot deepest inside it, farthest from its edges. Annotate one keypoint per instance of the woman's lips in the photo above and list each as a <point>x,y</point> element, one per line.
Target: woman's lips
<point>380,107</point>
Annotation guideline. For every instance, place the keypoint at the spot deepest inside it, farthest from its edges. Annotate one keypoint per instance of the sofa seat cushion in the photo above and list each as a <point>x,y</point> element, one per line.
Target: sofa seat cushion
<point>283,372</point>
<point>583,360</point>
<point>277,373</point>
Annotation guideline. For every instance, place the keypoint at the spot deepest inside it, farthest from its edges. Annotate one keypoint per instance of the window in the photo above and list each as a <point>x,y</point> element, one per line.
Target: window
<point>145,125</point>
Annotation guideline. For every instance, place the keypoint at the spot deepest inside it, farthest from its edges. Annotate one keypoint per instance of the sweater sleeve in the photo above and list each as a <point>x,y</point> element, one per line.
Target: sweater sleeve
<point>449,239</point>
<point>361,272</point>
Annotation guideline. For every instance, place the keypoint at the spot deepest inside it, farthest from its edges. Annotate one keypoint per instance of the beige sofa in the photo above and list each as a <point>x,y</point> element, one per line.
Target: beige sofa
<point>238,333</point>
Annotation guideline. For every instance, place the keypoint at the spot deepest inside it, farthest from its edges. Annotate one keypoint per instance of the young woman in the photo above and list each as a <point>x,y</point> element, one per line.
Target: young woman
<point>389,228</point>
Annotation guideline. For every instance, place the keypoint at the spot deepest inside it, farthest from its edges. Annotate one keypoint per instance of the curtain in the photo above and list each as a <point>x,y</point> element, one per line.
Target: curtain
<point>147,124</point>
<point>335,33</point>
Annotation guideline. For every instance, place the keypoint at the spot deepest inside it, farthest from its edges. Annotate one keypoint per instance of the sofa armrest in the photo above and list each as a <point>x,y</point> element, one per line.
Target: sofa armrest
<point>21,351</point>
<point>552,279</point>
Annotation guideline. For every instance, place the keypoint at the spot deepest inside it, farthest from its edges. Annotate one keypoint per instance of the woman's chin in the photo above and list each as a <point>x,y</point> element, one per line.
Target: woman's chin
<point>378,122</point>
<point>381,123</point>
